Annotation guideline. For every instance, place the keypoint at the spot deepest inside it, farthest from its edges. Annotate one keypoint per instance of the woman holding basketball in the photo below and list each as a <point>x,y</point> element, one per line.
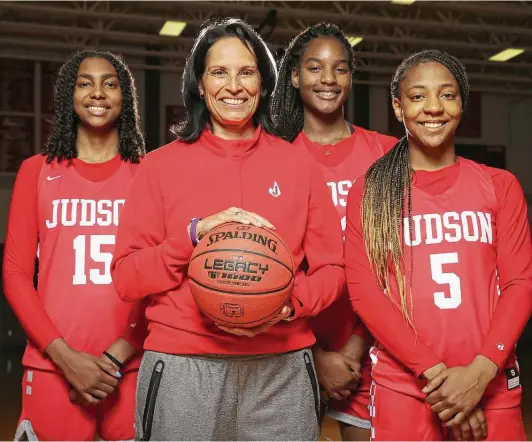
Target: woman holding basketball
<point>447,240</point>
<point>314,82</point>
<point>198,380</point>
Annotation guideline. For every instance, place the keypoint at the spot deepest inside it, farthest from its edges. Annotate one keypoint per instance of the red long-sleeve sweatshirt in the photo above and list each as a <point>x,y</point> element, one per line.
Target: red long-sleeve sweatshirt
<point>471,283</point>
<point>181,181</point>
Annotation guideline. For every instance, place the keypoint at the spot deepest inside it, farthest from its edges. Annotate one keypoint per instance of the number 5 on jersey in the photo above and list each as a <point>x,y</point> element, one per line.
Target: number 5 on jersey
<point>437,262</point>
<point>95,244</point>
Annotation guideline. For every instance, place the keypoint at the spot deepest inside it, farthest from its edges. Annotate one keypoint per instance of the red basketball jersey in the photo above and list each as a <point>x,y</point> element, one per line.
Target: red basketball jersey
<point>455,286</point>
<point>347,161</point>
<point>77,223</point>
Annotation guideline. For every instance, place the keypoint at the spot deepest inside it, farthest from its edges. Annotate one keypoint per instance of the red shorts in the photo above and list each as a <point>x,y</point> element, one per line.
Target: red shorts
<point>48,413</point>
<point>355,409</point>
<point>395,416</point>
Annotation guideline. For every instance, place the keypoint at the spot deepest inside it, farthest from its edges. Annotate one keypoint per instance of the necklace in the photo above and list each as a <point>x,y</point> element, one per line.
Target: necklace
<point>327,148</point>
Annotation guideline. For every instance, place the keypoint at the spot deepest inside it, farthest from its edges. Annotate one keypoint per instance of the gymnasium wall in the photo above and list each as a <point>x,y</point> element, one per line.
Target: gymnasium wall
<point>505,121</point>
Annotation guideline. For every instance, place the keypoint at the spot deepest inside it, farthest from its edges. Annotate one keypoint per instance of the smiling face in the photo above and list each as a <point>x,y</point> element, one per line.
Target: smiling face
<point>97,94</point>
<point>323,76</point>
<point>231,84</point>
<point>429,105</point>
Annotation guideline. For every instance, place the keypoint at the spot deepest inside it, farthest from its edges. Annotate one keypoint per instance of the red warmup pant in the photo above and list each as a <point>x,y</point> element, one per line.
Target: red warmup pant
<point>395,416</point>
<point>48,413</point>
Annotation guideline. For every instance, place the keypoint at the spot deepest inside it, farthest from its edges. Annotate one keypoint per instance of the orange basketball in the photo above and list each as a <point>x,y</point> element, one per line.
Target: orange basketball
<point>241,275</point>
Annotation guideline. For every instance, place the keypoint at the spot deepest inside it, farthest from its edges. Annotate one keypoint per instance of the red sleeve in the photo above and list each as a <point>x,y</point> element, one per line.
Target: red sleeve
<point>136,329</point>
<point>360,330</point>
<point>514,266</point>
<point>384,321</point>
<point>20,253</point>
<point>145,260</point>
<point>325,279</point>
<point>387,142</point>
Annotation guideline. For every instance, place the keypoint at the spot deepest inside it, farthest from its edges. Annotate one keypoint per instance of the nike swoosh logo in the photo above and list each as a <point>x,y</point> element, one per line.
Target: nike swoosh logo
<point>50,178</point>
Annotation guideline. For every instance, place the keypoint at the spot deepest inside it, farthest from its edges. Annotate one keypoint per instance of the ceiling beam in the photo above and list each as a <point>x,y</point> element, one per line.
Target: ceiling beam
<point>39,56</point>
<point>12,27</point>
<point>310,14</point>
<point>360,18</point>
<point>378,55</point>
<point>67,11</point>
<point>387,71</point>
<point>70,47</point>
<point>183,52</point>
<point>509,9</point>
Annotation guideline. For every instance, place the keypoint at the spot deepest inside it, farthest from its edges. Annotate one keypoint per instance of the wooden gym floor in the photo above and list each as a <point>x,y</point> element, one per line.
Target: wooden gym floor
<point>11,373</point>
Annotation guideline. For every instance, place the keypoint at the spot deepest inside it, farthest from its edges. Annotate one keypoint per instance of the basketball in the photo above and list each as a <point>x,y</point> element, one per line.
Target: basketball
<point>241,275</point>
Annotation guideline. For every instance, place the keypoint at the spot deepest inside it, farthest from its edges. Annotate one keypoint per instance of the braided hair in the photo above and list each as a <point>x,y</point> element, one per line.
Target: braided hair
<point>286,106</point>
<point>61,143</point>
<point>387,186</point>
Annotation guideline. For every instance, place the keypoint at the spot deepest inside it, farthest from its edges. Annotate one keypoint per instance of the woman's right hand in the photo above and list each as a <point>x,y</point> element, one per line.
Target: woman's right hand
<point>233,214</point>
<point>338,374</point>
<point>92,377</point>
<point>473,427</point>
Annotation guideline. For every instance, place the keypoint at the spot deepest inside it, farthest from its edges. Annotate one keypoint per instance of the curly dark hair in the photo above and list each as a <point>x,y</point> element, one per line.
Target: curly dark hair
<point>286,105</point>
<point>189,130</point>
<point>61,143</point>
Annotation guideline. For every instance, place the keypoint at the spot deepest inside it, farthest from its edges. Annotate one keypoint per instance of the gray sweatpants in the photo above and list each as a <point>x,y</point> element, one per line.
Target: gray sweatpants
<point>238,398</point>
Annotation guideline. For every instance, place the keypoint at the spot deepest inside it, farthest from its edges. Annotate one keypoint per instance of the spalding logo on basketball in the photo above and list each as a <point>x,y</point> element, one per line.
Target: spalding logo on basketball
<point>241,275</point>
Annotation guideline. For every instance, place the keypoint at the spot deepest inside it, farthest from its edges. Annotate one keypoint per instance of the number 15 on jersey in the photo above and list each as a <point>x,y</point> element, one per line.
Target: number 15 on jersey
<point>94,244</point>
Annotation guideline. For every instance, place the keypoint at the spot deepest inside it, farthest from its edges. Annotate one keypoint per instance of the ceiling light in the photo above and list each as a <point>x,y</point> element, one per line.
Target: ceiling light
<point>403,2</point>
<point>506,54</point>
<point>353,41</point>
<point>172,28</point>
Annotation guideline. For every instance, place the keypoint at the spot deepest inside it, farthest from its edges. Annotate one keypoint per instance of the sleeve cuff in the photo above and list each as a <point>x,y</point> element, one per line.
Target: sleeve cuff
<point>179,247</point>
<point>135,335</point>
<point>137,344</point>
<point>425,365</point>
<point>300,309</point>
<point>496,353</point>
<point>45,340</point>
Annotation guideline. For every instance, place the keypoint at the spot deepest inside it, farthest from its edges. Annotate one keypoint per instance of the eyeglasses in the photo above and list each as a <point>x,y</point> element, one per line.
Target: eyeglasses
<point>245,77</point>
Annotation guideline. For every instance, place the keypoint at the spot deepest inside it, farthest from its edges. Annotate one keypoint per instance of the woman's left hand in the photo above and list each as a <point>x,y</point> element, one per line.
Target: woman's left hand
<point>456,391</point>
<point>284,315</point>
<point>76,398</point>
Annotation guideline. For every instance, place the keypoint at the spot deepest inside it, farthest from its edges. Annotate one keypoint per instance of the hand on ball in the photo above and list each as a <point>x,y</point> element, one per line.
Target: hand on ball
<point>284,315</point>
<point>233,214</point>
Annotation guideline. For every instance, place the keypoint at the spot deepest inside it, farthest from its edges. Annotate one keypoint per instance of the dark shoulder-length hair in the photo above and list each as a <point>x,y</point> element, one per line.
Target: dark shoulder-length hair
<point>189,129</point>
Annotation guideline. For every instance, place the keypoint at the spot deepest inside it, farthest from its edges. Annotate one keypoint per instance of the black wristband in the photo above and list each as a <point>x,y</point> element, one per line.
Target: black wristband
<point>114,360</point>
